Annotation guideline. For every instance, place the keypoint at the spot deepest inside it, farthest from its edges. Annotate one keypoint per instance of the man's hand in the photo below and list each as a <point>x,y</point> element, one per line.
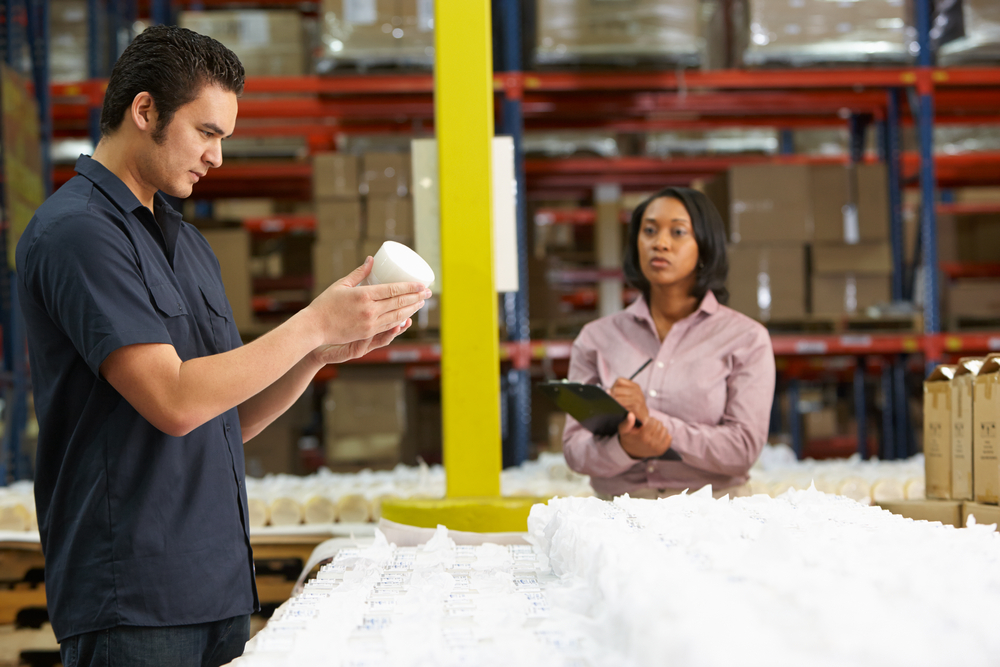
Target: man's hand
<point>335,354</point>
<point>349,314</point>
<point>630,395</point>
<point>649,441</point>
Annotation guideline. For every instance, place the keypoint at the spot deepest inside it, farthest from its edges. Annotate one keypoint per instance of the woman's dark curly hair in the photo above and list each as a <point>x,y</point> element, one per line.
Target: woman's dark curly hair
<point>709,233</point>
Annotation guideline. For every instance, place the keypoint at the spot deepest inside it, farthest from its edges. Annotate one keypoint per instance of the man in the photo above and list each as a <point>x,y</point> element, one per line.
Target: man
<point>143,391</point>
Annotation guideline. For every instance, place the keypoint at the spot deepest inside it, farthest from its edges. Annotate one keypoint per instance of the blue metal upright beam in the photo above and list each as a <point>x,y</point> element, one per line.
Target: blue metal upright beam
<point>861,407</point>
<point>795,419</point>
<point>516,303</point>
<point>893,157</point>
<point>928,182</point>
<point>95,62</point>
<point>888,445</point>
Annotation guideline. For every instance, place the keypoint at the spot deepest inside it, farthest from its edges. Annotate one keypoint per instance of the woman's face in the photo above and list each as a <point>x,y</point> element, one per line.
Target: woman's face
<point>668,253</point>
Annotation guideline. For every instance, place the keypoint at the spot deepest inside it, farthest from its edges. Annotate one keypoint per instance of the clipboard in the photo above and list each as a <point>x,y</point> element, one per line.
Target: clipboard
<point>588,404</point>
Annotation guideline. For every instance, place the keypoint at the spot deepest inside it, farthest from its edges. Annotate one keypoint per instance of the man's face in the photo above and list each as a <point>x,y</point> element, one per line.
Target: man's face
<point>192,143</point>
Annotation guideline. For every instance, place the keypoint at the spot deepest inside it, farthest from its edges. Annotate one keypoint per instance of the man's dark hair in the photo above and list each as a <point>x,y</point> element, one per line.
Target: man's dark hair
<point>172,64</point>
<point>709,233</point>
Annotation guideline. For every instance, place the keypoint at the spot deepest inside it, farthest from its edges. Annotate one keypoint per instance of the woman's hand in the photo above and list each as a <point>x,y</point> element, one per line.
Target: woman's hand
<point>649,441</point>
<point>335,354</point>
<point>630,395</point>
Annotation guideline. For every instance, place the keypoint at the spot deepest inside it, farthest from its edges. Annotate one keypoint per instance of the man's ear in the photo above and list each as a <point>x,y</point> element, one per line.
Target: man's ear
<point>143,112</point>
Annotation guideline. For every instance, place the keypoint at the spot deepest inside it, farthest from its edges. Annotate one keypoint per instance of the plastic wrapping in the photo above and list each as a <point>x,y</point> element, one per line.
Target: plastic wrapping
<point>808,32</point>
<point>712,142</point>
<point>607,30</point>
<point>375,32</point>
<point>267,42</point>
<point>981,43</point>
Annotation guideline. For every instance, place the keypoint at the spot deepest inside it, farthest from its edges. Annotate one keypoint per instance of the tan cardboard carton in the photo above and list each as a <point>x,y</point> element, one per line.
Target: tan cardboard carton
<point>267,42</point>
<point>863,258</point>
<point>830,186</point>
<point>332,260</point>
<point>985,514</point>
<point>848,293</point>
<point>948,512</point>
<point>385,174</point>
<point>768,282</point>
<point>770,203</point>
<point>986,415</point>
<point>335,176</point>
<point>390,218</point>
<point>937,431</point>
<point>338,220</point>
<point>241,209</point>
<point>365,416</point>
<point>962,427</point>
<point>872,200</point>
<point>973,298</point>
<point>232,248</point>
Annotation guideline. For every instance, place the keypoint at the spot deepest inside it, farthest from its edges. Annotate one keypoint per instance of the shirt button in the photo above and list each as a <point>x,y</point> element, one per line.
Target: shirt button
<point>227,427</point>
<point>180,308</point>
<point>650,468</point>
<point>652,392</point>
<point>659,364</point>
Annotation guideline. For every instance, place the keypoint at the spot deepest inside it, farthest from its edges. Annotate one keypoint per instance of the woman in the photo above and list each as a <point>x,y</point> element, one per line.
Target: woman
<point>704,401</point>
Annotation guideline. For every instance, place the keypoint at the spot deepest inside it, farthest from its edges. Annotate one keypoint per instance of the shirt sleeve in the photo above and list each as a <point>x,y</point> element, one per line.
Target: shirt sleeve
<point>85,273</point>
<point>732,446</point>
<point>586,453</point>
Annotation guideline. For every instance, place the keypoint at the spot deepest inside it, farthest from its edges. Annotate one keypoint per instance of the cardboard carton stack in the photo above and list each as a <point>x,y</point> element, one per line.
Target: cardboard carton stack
<point>376,32</point>
<point>780,215</point>
<point>589,31</point>
<point>267,42</point>
<point>361,202</point>
<point>971,238</point>
<point>365,416</point>
<point>232,248</point>
<point>68,40</point>
<point>981,43</point>
<point>803,32</point>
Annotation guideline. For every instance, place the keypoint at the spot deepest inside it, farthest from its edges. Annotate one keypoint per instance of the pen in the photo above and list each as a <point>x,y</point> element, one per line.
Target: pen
<point>641,368</point>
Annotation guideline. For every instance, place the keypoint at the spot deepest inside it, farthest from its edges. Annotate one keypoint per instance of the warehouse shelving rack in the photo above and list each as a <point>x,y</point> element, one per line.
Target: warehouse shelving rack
<point>324,108</point>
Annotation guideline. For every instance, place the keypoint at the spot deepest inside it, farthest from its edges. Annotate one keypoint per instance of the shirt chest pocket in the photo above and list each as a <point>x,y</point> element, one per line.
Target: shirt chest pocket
<point>221,318</point>
<point>174,311</point>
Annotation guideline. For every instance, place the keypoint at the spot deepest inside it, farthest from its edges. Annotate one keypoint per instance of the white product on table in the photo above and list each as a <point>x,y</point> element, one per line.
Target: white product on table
<point>285,511</point>
<point>353,508</point>
<point>259,512</point>
<point>396,263</point>
<point>319,508</point>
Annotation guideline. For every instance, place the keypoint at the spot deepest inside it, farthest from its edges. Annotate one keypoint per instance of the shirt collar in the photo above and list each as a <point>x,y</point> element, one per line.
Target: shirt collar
<point>640,309</point>
<point>166,222</point>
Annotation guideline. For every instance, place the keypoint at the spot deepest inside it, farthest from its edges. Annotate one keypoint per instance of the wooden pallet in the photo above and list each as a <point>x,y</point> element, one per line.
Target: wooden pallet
<point>973,323</point>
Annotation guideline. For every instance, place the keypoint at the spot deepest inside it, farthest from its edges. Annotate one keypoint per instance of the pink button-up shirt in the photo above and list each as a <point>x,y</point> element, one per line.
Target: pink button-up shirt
<point>711,384</point>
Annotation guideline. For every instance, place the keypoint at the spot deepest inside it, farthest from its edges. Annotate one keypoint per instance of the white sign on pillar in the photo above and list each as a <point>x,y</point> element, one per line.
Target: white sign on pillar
<point>427,210</point>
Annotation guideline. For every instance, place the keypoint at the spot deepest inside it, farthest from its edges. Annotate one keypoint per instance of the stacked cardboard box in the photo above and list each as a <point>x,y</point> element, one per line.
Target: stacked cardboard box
<point>360,204</point>
<point>778,213</point>
<point>585,30</point>
<point>364,416</point>
<point>981,43</point>
<point>399,32</point>
<point>801,32</point>
<point>267,42</point>
<point>68,40</point>
<point>985,446</point>
<point>232,248</point>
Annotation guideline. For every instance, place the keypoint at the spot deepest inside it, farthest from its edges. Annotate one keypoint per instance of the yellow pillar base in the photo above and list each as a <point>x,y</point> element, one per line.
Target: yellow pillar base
<point>473,515</point>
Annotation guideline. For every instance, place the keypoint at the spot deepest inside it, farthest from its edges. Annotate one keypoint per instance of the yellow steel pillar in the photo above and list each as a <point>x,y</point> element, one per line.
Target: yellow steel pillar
<point>470,366</point>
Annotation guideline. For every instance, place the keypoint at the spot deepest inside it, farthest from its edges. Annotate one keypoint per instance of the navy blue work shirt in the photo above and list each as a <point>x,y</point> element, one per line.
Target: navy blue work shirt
<point>138,527</point>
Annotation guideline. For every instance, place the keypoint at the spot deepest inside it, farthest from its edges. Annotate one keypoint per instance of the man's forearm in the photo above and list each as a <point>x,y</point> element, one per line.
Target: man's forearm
<point>262,409</point>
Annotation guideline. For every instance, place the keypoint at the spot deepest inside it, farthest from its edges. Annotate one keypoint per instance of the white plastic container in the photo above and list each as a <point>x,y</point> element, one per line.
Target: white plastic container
<point>396,263</point>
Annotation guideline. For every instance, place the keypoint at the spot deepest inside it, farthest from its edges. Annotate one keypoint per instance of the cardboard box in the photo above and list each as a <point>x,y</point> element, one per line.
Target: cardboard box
<point>364,415</point>
<point>68,40</point>
<point>862,258</point>
<point>820,423</point>
<point>768,282</point>
<point>937,431</point>
<point>848,293</point>
<point>267,42</point>
<point>770,203</point>
<point>985,514</point>
<point>972,298</point>
<point>985,447</point>
<point>385,174</point>
<point>332,260</point>
<point>390,218</point>
<point>962,427</point>
<point>368,249</point>
<point>335,176</point>
<point>830,189</point>
<point>338,220</point>
<point>947,512</point>
<point>574,30</point>
<point>275,449</point>
<point>398,31</point>
<point>241,209</point>
<point>232,248</point>
<point>872,201</point>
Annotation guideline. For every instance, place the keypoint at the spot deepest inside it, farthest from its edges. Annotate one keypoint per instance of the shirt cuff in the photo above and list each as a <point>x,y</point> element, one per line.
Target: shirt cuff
<point>617,455</point>
<point>676,433</point>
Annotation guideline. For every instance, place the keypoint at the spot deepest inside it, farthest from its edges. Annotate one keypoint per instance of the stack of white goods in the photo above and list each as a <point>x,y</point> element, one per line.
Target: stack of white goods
<point>648,582</point>
<point>328,497</point>
<point>437,604</point>
<point>17,507</point>
<point>787,579</point>
<point>872,481</point>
